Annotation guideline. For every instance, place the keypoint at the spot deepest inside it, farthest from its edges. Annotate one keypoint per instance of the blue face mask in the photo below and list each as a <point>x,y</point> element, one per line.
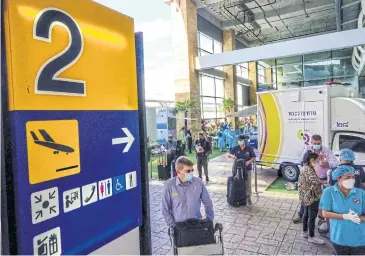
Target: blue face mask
<point>241,143</point>
<point>317,147</point>
<point>188,177</point>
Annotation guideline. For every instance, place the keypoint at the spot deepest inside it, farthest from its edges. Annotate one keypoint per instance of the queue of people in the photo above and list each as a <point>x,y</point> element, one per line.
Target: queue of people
<point>341,203</point>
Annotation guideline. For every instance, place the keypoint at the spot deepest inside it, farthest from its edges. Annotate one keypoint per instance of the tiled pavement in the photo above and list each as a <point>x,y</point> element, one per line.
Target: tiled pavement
<point>266,228</point>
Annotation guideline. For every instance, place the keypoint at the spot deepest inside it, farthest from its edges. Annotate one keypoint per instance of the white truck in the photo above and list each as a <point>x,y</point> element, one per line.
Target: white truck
<point>288,118</point>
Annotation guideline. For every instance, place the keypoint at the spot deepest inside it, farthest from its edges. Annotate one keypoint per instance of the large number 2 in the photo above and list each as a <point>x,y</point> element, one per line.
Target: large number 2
<point>47,80</point>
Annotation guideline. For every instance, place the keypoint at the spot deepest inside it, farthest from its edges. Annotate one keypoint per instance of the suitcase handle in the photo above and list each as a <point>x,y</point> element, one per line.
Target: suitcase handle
<point>193,221</point>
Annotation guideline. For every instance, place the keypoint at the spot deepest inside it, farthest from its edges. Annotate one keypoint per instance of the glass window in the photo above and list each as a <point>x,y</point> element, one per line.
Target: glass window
<point>203,53</point>
<point>261,73</point>
<point>218,47</point>
<point>207,86</point>
<point>239,94</point>
<point>209,107</point>
<point>212,94</point>
<point>274,78</point>
<point>242,70</point>
<point>219,85</point>
<point>205,43</point>
<point>355,143</point>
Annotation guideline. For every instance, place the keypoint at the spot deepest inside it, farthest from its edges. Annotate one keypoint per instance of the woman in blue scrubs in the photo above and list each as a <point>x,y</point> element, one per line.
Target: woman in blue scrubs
<point>344,206</point>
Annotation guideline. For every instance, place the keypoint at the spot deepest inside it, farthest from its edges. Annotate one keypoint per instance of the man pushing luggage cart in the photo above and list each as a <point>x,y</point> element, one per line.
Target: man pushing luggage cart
<point>181,200</point>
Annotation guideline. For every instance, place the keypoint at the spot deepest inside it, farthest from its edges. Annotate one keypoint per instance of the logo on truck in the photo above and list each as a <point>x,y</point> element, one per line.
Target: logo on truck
<point>342,125</point>
<point>303,136</point>
<point>302,113</point>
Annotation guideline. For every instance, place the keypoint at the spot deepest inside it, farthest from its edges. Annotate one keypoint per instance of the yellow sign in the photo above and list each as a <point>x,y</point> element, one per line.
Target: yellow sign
<point>74,55</point>
<point>53,149</point>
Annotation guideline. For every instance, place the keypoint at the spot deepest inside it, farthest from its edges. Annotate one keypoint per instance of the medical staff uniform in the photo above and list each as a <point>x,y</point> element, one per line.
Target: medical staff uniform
<point>348,238</point>
<point>221,142</point>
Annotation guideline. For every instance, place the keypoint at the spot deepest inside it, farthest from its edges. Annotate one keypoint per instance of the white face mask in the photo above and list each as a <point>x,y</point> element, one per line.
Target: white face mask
<point>348,184</point>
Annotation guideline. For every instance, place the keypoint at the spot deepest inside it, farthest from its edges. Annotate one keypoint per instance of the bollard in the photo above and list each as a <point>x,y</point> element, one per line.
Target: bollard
<point>255,171</point>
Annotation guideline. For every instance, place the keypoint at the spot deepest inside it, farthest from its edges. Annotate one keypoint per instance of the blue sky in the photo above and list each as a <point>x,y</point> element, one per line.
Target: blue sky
<point>152,17</point>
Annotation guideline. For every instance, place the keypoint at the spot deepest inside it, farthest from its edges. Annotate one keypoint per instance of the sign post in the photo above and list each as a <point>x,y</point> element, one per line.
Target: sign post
<point>74,120</point>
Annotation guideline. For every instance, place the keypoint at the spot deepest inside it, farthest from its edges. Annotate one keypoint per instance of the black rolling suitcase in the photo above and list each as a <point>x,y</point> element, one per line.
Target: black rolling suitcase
<point>162,168</point>
<point>194,232</point>
<point>236,185</point>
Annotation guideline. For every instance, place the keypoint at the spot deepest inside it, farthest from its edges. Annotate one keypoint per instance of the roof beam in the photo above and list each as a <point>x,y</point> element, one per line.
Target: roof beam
<point>315,44</point>
<point>207,3</point>
<point>313,5</point>
<point>338,15</point>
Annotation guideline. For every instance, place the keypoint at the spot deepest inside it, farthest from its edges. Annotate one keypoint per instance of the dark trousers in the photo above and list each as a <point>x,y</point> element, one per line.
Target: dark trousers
<point>202,163</point>
<point>309,218</point>
<point>190,145</point>
<point>348,250</point>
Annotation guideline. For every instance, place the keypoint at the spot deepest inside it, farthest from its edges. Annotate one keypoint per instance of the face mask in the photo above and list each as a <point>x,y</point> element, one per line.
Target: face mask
<point>348,184</point>
<point>317,147</point>
<point>188,177</point>
<point>241,143</point>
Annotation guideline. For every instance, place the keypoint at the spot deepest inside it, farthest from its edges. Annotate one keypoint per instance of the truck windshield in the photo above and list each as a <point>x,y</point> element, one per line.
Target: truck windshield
<point>355,143</point>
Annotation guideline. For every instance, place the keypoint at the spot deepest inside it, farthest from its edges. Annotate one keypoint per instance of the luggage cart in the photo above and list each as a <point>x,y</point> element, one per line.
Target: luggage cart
<point>207,249</point>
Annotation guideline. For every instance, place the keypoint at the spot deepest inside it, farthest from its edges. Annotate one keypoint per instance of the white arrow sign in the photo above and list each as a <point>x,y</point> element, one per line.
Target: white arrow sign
<point>129,140</point>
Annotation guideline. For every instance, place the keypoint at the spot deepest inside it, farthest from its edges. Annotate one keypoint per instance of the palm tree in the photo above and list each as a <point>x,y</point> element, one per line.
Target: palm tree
<point>186,107</point>
<point>228,106</point>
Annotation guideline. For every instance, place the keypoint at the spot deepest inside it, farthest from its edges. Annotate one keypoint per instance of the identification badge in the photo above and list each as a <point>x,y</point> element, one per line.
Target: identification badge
<point>356,201</point>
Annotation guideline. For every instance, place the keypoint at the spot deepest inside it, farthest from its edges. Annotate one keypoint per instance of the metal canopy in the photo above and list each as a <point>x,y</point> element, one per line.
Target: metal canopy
<point>258,22</point>
<point>248,111</point>
<point>315,44</point>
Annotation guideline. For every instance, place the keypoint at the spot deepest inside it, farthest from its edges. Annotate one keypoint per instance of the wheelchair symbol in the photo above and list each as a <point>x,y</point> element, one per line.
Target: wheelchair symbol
<point>118,186</point>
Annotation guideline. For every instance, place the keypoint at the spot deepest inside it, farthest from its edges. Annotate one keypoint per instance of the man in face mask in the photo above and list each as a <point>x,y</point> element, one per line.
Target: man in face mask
<point>327,161</point>
<point>347,157</point>
<point>344,206</point>
<point>203,149</point>
<point>243,151</point>
<point>184,194</point>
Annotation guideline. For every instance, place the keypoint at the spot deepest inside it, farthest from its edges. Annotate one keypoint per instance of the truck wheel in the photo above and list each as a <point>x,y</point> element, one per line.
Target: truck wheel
<point>290,172</point>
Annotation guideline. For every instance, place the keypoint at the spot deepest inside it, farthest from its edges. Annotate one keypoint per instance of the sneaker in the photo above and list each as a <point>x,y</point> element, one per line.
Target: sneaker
<point>249,202</point>
<point>315,240</point>
<point>297,220</point>
<point>305,234</point>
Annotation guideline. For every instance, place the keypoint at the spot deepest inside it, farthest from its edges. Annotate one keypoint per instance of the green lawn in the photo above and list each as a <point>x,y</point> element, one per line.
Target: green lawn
<point>154,159</point>
<point>279,186</point>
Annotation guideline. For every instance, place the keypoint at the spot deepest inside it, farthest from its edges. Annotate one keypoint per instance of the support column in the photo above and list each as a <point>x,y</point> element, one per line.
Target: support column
<point>252,74</point>
<point>230,88</point>
<point>185,50</point>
